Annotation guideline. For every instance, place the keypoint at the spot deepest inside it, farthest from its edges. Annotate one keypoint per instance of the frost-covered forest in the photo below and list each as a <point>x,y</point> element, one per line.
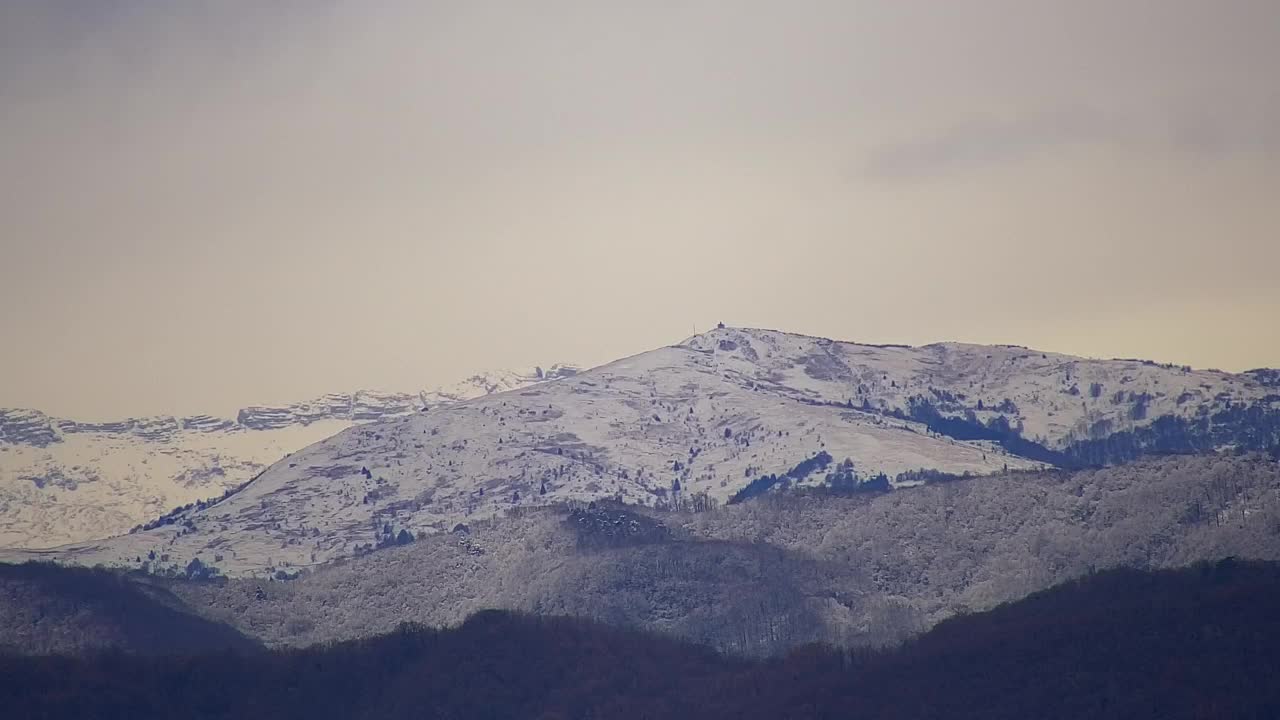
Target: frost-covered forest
<point>782,570</point>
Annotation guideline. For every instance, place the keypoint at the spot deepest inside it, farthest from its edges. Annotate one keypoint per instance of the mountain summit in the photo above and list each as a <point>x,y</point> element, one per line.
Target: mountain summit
<point>719,417</point>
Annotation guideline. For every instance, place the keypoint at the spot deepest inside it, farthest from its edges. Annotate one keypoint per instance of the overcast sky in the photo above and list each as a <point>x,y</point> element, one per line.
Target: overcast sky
<point>205,205</point>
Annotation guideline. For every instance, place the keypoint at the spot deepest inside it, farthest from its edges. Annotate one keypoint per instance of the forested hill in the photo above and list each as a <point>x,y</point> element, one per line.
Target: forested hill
<point>1202,642</point>
<point>50,609</point>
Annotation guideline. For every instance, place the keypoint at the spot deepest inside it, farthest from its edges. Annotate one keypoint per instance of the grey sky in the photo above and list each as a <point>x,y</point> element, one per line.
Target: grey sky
<point>210,204</point>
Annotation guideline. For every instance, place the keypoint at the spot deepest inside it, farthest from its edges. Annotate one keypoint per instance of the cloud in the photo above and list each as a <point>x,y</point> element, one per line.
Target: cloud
<point>1214,133</point>
<point>977,145</point>
<point>1206,128</point>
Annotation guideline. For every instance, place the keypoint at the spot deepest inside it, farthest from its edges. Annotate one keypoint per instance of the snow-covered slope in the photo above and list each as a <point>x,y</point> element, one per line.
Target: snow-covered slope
<point>1055,399</point>
<point>65,481</point>
<point>705,417</point>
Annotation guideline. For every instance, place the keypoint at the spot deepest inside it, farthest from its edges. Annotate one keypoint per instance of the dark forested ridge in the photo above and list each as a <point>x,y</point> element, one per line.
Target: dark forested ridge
<point>47,609</point>
<point>1202,642</point>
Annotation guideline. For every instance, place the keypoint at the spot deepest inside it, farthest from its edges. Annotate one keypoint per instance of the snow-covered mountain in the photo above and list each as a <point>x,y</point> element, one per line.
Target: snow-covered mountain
<point>65,481</point>
<point>724,414</point>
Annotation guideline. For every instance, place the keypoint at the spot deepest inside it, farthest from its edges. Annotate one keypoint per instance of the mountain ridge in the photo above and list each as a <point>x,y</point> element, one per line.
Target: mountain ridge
<point>35,427</point>
<point>65,480</point>
<point>705,418</point>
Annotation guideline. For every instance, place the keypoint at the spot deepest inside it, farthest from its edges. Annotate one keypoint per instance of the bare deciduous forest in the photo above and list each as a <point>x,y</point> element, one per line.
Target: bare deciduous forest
<point>1193,643</point>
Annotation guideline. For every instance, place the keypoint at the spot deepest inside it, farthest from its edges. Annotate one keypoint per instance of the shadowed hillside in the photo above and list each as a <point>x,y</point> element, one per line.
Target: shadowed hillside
<point>1196,643</point>
<point>50,609</point>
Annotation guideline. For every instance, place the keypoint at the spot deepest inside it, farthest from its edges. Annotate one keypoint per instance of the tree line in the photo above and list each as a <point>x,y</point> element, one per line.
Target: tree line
<point>1202,642</point>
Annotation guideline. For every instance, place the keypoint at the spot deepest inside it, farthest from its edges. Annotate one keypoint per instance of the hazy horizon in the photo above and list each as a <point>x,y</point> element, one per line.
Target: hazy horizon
<point>210,205</point>
<point>229,409</point>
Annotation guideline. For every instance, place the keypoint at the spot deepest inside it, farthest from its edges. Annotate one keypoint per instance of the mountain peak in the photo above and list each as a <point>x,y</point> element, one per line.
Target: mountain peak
<point>724,415</point>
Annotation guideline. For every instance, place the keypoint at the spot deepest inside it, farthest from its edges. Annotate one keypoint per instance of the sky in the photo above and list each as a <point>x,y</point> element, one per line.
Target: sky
<point>205,205</point>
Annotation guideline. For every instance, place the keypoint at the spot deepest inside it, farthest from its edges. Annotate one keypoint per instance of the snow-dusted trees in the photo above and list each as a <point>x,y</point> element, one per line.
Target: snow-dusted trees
<point>863,568</point>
